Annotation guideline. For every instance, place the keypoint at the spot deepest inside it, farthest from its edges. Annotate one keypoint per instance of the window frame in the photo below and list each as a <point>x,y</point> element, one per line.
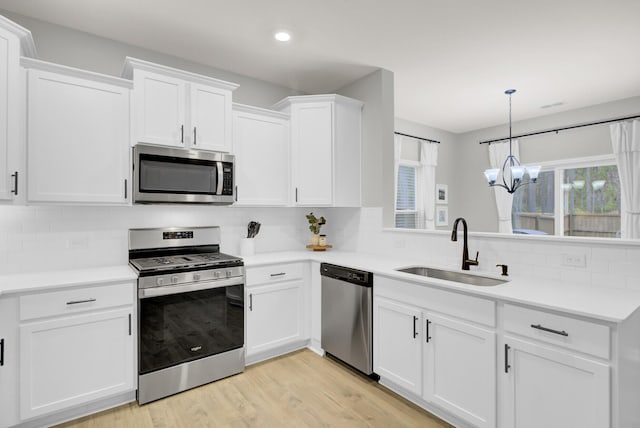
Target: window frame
<point>418,189</point>
<point>558,167</point>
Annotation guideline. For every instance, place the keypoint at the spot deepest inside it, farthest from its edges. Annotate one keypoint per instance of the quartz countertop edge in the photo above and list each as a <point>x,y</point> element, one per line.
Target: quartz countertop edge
<point>602,303</point>
<point>40,281</point>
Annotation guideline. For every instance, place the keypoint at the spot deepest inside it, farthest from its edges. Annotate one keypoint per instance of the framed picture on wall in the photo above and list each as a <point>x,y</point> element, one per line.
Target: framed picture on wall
<point>442,193</point>
<point>442,216</point>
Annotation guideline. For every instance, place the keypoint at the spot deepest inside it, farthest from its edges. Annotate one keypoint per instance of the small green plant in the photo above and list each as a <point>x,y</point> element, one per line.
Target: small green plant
<point>315,223</point>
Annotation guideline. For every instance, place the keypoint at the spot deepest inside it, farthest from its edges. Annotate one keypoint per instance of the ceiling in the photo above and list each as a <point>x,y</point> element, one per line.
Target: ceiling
<point>452,59</point>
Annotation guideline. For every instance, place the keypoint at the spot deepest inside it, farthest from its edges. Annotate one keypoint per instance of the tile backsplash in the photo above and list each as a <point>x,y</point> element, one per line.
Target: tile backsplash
<point>609,265</point>
<point>44,238</point>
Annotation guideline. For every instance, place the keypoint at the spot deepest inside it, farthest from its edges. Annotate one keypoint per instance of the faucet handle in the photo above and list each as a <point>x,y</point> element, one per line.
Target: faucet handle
<point>504,269</point>
<point>474,262</point>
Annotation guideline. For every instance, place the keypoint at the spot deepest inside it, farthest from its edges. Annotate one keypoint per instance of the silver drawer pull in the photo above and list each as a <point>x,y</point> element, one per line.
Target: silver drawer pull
<point>550,330</point>
<point>75,302</point>
<point>278,274</point>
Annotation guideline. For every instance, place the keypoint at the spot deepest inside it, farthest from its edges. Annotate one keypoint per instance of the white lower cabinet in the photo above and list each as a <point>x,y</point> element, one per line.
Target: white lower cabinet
<point>274,306</point>
<point>459,368</point>
<point>9,362</point>
<point>449,363</point>
<point>72,360</point>
<point>545,387</point>
<point>77,346</point>
<point>396,344</point>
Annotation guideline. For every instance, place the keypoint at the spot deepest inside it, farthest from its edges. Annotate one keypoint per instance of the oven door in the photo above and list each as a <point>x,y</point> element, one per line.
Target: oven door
<point>188,322</point>
<point>162,174</point>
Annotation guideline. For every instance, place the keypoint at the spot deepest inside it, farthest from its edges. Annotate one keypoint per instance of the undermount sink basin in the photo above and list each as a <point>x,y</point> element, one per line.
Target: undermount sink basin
<point>454,276</point>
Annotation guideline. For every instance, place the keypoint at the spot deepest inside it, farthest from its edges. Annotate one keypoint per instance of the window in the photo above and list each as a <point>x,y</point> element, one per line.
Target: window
<point>406,197</point>
<point>573,198</point>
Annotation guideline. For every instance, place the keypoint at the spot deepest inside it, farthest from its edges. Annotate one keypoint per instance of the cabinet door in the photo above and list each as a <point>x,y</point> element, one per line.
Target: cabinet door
<point>460,369</point>
<point>261,148</point>
<point>210,118</point>
<point>73,360</point>
<point>9,111</point>
<point>274,316</point>
<point>397,355</point>
<point>548,388</point>
<point>9,362</point>
<point>78,133</point>
<point>312,139</point>
<point>159,104</point>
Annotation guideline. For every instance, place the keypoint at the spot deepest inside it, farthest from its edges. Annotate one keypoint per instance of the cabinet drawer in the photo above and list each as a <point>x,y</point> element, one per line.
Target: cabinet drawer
<point>75,300</point>
<point>279,272</point>
<point>583,336</point>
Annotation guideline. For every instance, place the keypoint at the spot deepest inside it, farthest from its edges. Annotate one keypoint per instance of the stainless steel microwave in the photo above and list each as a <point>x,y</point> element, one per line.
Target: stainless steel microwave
<point>172,175</point>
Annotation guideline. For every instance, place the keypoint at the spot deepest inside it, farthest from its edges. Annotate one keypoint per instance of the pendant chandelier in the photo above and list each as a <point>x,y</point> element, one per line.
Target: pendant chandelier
<point>512,171</point>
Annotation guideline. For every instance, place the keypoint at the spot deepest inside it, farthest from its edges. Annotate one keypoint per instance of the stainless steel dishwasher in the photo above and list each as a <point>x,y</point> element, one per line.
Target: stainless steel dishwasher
<point>347,316</point>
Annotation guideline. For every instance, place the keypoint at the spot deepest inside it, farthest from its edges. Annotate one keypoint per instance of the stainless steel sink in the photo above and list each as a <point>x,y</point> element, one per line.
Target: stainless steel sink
<point>454,276</point>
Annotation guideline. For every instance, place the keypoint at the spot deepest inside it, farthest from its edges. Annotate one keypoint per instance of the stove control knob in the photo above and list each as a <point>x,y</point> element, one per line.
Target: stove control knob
<point>196,277</point>
<point>229,273</point>
<point>217,274</point>
<point>174,279</point>
<point>160,281</point>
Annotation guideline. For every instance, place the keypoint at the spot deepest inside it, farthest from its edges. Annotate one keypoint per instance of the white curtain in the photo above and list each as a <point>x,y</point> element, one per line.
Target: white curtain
<point>429,161</point>
<point>625,139</point>
<point>498,153</point>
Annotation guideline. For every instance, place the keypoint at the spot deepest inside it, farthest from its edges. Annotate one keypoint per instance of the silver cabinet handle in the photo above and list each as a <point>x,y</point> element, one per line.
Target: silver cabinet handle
<point>76,302</point>
<point>195,138</point>
<point>15,183</point>
<point>415,331</point>
<point>250,301</point>
<point>550,330</point>
<point>182,134</point>
<point>278,274</point>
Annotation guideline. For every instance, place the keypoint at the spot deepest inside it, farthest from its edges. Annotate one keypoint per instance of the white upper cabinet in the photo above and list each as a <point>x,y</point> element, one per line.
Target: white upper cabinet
<point>177,108</point>
<point>325,149</point>
<point>261,148</point>
<point>77,136</point>
<point>14,41</point>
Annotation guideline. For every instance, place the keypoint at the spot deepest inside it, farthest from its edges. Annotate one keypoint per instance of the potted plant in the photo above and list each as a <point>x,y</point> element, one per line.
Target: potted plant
<point>315,224</point>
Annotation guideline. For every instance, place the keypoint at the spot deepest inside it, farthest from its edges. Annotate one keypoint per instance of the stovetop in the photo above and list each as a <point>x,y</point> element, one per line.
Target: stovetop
<point>183,261</point>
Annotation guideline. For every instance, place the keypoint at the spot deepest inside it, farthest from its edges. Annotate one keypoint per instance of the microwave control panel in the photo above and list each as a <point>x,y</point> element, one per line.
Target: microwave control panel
<point>227,179</point>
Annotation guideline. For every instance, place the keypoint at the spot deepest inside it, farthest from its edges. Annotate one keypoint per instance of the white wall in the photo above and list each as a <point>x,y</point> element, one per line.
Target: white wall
<point>474,198</point>
<point>376,91</point>
<point>73,48</point>
<point>446,171</point>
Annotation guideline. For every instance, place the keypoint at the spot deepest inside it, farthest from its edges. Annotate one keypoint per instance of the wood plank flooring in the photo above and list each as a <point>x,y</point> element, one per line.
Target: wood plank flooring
<point>300,389</point>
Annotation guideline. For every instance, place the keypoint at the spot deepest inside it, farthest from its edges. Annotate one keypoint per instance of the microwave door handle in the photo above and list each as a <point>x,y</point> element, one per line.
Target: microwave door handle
<point>220,178</point>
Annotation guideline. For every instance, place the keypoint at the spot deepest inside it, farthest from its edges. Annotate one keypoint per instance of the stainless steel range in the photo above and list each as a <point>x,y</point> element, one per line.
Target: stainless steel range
<point>190,309</point>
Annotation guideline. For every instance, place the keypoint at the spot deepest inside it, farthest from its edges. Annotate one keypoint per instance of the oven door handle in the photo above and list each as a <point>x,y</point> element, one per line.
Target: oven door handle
<point>166,290</point>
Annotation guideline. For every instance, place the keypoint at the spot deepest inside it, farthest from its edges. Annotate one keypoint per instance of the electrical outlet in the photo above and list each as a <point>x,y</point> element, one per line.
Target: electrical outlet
<point>574,259</point>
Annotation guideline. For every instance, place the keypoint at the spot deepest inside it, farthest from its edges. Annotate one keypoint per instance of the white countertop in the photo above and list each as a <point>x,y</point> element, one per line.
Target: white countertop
<point>36,281</point>
<point>606,304</point>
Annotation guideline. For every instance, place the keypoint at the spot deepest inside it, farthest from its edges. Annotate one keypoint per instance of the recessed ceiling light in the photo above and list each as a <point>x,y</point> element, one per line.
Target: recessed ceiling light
<point>282,36</point>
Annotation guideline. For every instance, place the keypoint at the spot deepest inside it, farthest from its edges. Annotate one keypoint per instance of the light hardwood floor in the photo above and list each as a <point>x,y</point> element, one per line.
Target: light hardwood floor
<point>300,389</point>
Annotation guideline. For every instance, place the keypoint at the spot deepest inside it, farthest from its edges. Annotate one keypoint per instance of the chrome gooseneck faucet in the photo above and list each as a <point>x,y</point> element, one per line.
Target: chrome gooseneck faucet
<point>466,262</point>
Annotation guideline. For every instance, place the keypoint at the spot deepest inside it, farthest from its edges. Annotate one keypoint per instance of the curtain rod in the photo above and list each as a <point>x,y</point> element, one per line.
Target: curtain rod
<point>602,122</point>
<point>419,138</point>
